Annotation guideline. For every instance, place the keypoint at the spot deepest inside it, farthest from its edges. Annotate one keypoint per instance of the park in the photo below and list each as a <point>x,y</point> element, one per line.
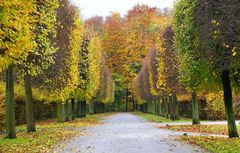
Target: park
<point>100,76</point>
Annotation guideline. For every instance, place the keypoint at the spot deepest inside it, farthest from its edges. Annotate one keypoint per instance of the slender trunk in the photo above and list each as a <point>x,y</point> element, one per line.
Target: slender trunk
<point>10,113</point>
<point>195,112</point>
<point>133,103</point>
<point>84,106</point>
<point>91,108</point>
<point>61,113</point>
<point>160,106</point>
<point>73,109</point>
<point>175,107</point>
<point>232,129</point>
<point>167,107</point>
<point>29,102</point>
<point>70,110</point>
<point>126,100</point>
<point>171,109</point>
<point>66,111</point>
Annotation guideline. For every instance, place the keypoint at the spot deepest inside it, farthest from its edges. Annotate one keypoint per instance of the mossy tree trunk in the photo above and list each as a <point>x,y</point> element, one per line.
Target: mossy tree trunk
<point>195,112</point>
<point>10,113</point>
<point>29,102</point>
<point>70,110</point>
<point>84,106</point>
<point>232,129</point>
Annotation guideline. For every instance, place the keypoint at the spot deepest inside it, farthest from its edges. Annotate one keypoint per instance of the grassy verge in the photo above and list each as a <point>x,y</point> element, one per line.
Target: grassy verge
<point>158,119</point>
<point>214,144</point>
<point>209,129</point>
<point>49,133</point>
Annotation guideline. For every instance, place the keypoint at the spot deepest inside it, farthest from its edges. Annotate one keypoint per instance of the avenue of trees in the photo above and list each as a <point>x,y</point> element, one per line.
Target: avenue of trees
<point>149,57</point>
<point>45,46</point>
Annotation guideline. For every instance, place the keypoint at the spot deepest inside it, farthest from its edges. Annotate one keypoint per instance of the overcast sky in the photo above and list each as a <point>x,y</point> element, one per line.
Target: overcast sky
<point>91,8</point>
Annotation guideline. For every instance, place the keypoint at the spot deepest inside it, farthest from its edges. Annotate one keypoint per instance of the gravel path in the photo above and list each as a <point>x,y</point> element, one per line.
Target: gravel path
<point>127,133</point>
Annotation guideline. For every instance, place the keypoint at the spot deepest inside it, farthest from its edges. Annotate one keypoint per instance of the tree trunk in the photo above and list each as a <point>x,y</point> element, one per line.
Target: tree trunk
<point>167,107</point>
<point>126,100</point>
<point>66,111</point>
<point>232,129</point>
<point>133,103</point>
<point>175,107</point>
<point>84,106</point>
<point>73,109</point>
<point>195,112</point>
<point>70,110</point>
<point>61,113</point>
<point>160,106</point>
<point>171,108</point>
<point>29,102</point>
<point>91,108</point>
<point>10,113</point>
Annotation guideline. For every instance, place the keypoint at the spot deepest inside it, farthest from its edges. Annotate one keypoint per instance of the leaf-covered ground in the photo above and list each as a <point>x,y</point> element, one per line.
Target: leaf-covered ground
<point>158,119</point>
<point>214,144</point>
<point>49,134</point>
<point>209,129</point>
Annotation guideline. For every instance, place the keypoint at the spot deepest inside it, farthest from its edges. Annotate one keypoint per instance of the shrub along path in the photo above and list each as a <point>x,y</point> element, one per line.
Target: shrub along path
<point>128,133</point>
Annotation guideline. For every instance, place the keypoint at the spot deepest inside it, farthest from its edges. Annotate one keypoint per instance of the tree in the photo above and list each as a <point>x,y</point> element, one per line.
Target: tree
<point>220,46</point>
<point>41,57</point>
<point>192,69</point>
<point>15,44</point>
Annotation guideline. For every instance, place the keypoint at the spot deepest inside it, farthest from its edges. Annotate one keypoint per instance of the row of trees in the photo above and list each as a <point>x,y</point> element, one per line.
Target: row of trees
<point>197,52</point>
<point>44,45</point>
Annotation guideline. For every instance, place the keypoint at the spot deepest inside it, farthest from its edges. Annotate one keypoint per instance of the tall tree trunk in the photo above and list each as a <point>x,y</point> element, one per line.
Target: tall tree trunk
<point>84,107</point>
<point>91,108</point>
<point>73,109</point>
<point>232,129</point>
<point>160,106</point>
<point>10,113</point>
<point>126,100</point>
<point>29,102</point>
<point>66,111</point>
<point>133,103</point>
<point>70,110</point>
<point>195,112</point>
<point>175,107</point>
<point>167,107</point>
<point>171,108</point>
<point>61,113</point>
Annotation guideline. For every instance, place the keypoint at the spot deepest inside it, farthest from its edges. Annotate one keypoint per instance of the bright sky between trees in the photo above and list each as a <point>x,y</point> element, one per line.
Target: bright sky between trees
<point>90,8</point>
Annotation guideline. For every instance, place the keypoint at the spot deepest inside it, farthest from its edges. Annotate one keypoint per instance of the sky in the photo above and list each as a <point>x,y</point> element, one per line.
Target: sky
<point>90,8</point>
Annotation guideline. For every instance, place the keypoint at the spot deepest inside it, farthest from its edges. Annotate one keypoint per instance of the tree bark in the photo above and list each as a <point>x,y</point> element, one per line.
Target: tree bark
<point>10,113</point>
<point>84,106</point>
<point>126,100</point>
<point>91,108</point>
<point>195,112</point>
<point>232,129</point>
<point>175,107</point>
<point>61,113</point>
<point>29,102</point>
<point>171,108</point>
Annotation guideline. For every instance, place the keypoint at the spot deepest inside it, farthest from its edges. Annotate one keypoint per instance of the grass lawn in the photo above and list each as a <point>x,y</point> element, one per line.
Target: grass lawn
<point>158,119</point>
<point>49,134</point>
<point>214,144</point>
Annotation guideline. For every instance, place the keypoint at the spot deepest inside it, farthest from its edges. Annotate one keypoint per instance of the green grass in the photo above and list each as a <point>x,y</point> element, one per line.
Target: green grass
<point>158,119</point>
<point>214,144</point>
<point>49,133</point>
